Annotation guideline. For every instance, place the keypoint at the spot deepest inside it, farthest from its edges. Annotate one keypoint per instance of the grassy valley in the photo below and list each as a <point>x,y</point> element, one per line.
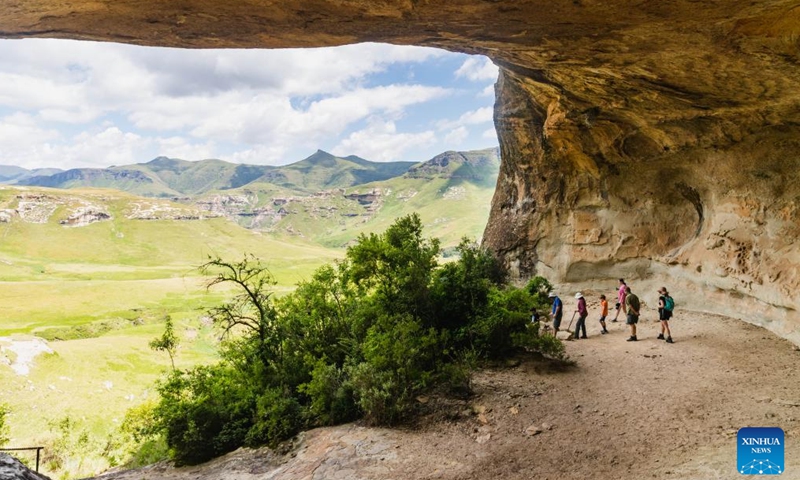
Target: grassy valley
<point>95,272</point>
<point>100,292</point>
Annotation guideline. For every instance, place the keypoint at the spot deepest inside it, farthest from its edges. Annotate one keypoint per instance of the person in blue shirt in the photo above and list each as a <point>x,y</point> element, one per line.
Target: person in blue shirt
<point>557,311</point>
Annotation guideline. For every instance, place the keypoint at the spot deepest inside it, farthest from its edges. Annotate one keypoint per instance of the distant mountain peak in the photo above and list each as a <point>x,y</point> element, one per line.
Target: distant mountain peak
<point>321,157</point>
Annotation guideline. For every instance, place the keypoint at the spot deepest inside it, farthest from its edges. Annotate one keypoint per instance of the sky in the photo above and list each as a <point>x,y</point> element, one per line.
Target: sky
<point>70,104</point>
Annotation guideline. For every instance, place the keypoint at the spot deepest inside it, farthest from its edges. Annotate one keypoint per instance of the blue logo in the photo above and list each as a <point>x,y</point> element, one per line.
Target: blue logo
<point>760,451</point>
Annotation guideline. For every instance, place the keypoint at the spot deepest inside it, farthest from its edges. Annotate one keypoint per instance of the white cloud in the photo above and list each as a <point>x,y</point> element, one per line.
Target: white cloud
<point>26,145</point>
<point>473,117</point>
<point>477,69</point>
<point>106,147</point>
<point>456,136</point>
<point>254,106</point>
<point>263,155</point>
<point>490,134</point>
<point>487,92</point>
<point>180,147</point>
<point>381,142</point>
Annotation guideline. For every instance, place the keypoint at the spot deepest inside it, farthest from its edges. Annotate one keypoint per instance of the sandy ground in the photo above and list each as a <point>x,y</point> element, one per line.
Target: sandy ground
<point>643,410</point>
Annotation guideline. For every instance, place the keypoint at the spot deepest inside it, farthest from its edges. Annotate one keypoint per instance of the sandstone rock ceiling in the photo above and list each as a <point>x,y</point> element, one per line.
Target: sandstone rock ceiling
<point>658,139</point>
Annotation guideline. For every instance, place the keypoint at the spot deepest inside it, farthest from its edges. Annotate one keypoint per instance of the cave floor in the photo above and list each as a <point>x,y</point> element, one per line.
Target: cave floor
<point>626,410</point>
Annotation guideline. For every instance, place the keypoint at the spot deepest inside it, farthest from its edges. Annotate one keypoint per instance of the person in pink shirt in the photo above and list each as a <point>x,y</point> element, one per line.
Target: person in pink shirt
<point>583,312</point>
<point>621,299</point>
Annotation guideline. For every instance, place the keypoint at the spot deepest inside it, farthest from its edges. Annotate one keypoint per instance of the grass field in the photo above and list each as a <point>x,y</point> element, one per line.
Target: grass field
<point>106,289</point>
<point>100,293</point>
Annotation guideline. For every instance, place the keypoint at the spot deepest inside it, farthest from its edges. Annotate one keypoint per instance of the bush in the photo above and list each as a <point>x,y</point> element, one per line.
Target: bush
<point>506,314</point>
<point>361,338</point>
<point>4,411</point>
<point>548,345</point>
<point>204,413</point>
<point>332,395</point>
<point>138,442</point>
<point>278,415</point>
<point>539,289</point>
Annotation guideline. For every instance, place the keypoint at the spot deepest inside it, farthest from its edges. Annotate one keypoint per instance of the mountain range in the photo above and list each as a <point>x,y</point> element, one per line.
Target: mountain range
<point>170,177</point>
<point>325,199</point>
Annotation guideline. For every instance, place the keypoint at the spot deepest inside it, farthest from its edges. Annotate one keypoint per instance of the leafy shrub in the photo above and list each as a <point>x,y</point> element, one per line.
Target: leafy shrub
<point>69,446</point>
<point>548,345</point>
<point>138,441</point>
<point>277,416</point>
<point>361,338</point>
<point>4,411</point>
<point>204,412</point>
<point>539,289</point>
<point>507,314</point>
<point>332,395</point>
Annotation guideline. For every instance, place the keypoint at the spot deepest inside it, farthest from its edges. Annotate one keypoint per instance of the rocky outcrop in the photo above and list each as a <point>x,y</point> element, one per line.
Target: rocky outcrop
<point>653,140</point>
<point>12,469</point>
<point>160,210</point>
<point>84,216</point>
<point>6,215</point>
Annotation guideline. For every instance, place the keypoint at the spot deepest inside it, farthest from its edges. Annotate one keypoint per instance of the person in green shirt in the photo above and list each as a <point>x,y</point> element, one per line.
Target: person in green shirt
<point>632,302</point>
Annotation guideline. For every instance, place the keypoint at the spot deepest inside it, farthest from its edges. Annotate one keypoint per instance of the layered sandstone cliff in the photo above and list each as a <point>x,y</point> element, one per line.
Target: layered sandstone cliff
<point>658,140</point>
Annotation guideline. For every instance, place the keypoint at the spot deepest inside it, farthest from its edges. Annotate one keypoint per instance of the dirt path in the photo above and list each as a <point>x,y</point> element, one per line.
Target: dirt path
<point>643,410</point>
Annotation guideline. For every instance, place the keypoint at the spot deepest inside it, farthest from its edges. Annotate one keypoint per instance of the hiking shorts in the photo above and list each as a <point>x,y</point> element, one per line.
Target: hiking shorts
<point>664,314</point>
<point>632,319</point>
<point>557,322</point>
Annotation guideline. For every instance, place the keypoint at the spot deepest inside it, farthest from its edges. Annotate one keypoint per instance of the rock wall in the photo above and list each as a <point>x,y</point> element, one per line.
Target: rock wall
<point>656,140</point>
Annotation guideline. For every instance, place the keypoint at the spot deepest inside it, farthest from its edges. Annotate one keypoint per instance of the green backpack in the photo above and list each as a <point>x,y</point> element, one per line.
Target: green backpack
<point>669,303</point>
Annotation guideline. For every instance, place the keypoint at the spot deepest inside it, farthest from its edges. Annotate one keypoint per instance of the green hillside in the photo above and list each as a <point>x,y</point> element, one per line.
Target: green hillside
<point>161,177</point>
<point>322,171</point>
<point>191,178</point>
<point>11,174</point>
<point>452,193</point>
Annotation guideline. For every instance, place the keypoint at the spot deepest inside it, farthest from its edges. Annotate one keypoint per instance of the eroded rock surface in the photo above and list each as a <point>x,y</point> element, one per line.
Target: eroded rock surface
<point>12,469</point>
<point>655,140</point>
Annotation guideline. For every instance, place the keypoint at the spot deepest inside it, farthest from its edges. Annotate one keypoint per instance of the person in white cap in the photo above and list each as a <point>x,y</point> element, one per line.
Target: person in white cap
<point>558,311</point>
<point>583,312</point>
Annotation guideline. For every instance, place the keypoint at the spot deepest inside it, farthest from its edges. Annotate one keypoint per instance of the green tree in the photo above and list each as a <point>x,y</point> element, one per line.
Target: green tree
<point>251,309</point>
<point>397,265</point>
<point>167,342</point>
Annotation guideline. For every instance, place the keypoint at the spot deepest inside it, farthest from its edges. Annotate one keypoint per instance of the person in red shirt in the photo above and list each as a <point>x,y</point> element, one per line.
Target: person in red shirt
<point>603,313</point>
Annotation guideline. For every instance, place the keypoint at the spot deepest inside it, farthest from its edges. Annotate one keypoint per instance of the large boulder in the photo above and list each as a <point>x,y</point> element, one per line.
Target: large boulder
<point>658,141</point>
<point>13,469</point>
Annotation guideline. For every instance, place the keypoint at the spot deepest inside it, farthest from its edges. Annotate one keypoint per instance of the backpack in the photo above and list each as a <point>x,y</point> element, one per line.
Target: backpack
<point>669,303</point>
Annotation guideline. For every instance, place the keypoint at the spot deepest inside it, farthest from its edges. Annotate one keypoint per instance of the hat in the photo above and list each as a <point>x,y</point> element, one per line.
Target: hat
<point>579,295</point>
<point>551,295</point>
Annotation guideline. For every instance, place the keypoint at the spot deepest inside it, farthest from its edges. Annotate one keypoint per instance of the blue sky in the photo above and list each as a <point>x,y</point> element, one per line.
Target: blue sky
<point>73,104</point>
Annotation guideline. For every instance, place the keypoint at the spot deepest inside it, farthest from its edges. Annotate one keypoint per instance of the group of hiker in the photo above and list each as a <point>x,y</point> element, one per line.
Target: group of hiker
<point>627,303</point>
